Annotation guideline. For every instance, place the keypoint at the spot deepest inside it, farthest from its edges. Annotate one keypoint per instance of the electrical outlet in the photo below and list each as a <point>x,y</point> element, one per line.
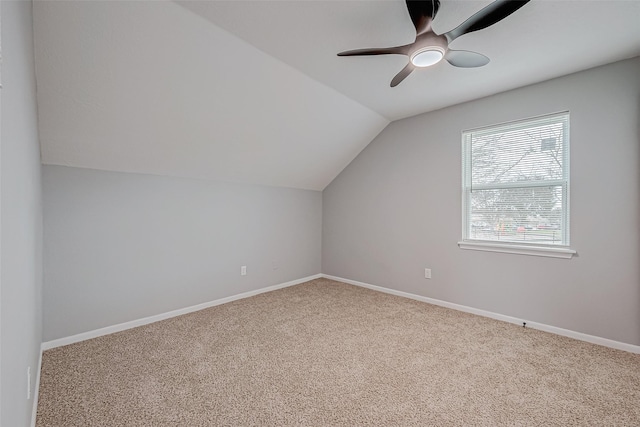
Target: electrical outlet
<point>427,273</point>
<point>28,382</point>
<point>243,270</point>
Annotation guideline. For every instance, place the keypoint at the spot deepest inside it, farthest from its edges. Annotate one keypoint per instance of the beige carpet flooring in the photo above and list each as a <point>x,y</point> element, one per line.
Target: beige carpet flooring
<point>325,353</point>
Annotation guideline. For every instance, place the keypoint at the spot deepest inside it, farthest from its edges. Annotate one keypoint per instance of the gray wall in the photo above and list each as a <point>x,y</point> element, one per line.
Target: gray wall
<point>21,217</point>
<point>120,246</point>
<point>396,209</point>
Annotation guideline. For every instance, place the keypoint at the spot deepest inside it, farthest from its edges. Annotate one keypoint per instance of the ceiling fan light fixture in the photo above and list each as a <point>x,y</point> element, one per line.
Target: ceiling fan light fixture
<point>427,56</point>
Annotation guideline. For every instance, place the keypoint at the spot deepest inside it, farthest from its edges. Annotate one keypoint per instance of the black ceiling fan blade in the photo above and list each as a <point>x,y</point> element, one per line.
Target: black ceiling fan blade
<point>422,13</point>
<point>466,59</point>
<point>402,74</point>
<point>495,12</point>
<point>397,50</point>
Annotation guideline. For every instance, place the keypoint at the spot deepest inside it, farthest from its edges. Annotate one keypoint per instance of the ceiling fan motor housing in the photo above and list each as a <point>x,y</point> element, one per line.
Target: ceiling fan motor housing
<point>428,49</point>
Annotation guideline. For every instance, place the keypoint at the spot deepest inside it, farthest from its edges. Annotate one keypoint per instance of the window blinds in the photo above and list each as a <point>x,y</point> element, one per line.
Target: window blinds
<point>516,181</point>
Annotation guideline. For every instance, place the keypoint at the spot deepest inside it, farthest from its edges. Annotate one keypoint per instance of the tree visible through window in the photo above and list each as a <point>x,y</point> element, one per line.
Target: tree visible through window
<point>516,182</point>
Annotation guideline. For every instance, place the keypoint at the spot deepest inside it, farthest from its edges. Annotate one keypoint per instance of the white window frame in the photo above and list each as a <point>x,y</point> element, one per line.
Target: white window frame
<point>536,249</point>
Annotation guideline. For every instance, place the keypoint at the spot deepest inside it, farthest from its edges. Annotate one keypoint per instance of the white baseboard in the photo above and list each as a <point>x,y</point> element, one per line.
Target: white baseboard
<point>36,389</point>
<point>156,318</point>
<point>533,325</point>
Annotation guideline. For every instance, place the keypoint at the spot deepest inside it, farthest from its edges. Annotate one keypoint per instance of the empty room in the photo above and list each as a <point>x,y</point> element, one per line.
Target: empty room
<point>319,213</point>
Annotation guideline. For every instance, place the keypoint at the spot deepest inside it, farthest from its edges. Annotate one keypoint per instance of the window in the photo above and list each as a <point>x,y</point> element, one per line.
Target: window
<point>515,179</point>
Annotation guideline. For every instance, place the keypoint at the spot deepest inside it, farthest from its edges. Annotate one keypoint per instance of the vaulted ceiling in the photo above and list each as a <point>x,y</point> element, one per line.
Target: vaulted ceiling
<point>253,92</point>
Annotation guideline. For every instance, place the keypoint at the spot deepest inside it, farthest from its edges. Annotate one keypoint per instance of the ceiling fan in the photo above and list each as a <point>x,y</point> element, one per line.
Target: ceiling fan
<point>430,48</point>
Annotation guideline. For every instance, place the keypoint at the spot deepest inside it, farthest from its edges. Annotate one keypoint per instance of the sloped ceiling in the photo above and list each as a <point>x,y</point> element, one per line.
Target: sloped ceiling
<point>252,91</point>
<point>151,87</point>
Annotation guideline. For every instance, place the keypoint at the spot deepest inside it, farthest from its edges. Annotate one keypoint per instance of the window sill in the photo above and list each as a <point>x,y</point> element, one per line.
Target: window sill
<point>510,248</point>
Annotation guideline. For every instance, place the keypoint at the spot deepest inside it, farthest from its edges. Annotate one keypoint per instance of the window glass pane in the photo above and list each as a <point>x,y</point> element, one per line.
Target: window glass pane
<point>523,215</point>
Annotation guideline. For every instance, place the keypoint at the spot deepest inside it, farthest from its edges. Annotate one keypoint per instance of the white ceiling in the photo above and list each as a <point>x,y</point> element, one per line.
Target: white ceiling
<point>252,91</point>
<point>544,39</point>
